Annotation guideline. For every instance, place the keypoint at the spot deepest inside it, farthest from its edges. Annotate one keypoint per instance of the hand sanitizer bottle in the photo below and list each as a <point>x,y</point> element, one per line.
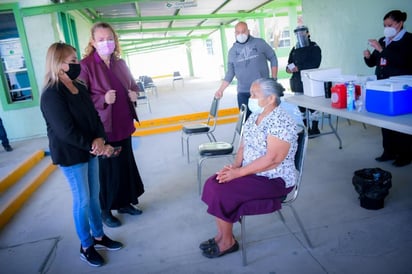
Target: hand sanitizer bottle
<point>350,101</point>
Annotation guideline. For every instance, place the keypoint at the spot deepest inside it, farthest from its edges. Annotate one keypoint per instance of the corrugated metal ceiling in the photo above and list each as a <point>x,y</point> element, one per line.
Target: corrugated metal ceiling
<point>151,20</point>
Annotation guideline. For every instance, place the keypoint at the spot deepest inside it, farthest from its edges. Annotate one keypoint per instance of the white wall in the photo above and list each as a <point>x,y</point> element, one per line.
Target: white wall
<point>342,28</point>
<point>28,122</point>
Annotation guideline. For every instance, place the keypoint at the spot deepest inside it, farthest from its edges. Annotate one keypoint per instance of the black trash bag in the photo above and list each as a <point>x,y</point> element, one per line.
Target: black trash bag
<point>373,186</point>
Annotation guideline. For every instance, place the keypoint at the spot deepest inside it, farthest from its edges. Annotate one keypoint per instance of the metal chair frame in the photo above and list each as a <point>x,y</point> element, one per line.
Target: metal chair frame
<point>203,128</point>
<point>177,76</point>
<point>290,198</point>
<point>142,97</point>
<point>148,84</point>
<point>216,153</point>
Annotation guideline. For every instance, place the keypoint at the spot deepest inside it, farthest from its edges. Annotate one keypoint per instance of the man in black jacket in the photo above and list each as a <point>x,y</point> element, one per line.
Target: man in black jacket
<point>305,55</point>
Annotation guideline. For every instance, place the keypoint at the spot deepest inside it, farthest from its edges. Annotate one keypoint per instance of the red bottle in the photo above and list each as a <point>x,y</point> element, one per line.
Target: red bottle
<point>338,96</point>
<point>357,92</point>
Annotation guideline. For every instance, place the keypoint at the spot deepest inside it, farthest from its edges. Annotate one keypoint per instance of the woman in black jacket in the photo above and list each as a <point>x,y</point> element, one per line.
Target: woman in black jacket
<point>392,56</point>
<point>76,137</point>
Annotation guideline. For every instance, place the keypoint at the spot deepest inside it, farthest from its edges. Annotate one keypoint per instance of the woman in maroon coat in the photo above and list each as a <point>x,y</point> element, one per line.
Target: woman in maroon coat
<point>114,93</point>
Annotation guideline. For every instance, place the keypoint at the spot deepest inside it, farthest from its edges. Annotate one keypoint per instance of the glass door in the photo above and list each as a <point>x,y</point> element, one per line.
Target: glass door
<point>13,69</point>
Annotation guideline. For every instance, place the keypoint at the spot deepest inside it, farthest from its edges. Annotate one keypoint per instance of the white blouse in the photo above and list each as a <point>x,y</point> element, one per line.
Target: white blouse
<point>280,125</point>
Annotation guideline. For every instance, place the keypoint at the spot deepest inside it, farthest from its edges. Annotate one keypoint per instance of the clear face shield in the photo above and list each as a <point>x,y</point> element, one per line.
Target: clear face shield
<point>302,37</point>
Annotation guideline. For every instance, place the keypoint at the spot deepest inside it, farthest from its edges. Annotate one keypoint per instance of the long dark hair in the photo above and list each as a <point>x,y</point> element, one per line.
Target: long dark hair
<point>396,15</point>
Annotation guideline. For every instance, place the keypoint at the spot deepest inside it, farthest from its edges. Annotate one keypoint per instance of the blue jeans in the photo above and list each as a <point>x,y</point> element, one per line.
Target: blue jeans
<point>84,183</point>
<point>243,98</point>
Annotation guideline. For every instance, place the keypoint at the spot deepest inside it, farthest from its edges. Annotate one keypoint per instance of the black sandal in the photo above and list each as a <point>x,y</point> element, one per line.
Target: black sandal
<point>214,252</point>
<point>206,244</point>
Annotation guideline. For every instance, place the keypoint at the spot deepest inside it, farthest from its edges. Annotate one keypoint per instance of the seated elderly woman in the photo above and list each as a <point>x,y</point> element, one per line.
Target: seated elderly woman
<point>263,168</point>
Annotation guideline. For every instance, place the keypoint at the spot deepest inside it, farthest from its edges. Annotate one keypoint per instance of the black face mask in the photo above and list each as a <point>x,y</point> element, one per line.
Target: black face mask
<point>74,71</point>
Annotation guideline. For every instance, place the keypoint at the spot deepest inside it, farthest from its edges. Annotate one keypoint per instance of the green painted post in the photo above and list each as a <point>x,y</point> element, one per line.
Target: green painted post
<point>293,21</point>
<point>224,46</point>
<point>189,58</point>
<point>262,28</point>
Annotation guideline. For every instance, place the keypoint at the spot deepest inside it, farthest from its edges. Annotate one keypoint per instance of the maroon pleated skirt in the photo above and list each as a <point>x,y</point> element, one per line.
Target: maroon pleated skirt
<point>248,195</point>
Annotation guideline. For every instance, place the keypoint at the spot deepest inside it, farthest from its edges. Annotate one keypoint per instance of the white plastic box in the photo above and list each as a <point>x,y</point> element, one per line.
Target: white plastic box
<point>313,80</point>
<point>389,96</point>
<point>404,78</point>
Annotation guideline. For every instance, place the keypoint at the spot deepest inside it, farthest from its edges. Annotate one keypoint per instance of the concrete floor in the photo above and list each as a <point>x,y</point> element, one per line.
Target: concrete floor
<point>165,238</point>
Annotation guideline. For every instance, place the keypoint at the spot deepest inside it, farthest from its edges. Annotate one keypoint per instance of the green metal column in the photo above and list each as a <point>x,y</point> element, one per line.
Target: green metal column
<point>293,21</point>
<point>223,40</point>
<point>189,58</point>
<point>262,28</point>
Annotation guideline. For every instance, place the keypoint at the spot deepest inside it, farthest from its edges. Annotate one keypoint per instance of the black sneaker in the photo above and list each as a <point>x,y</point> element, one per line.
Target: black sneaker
<point>91,256</point>
<point>130,210</point>
<point>107,243</point>
<point>8,148</point>
<point>109,220</point>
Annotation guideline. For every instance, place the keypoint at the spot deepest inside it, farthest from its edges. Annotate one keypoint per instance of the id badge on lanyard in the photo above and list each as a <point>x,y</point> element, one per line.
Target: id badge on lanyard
<point>383,62</point>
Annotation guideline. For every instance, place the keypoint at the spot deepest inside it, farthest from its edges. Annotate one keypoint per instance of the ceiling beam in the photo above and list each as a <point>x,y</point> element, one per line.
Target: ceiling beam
<point>68,6</point>
<point>139,50</point>
<point>185,17</point>
<point>151,30</point>
<point>171,38</point>
<point>137,7</point>
<point>133,46</point>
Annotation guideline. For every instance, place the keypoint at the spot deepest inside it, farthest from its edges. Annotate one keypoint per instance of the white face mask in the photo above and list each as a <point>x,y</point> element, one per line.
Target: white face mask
<point>242,38</point>
<point>253,105</point>
<point>389,32</point>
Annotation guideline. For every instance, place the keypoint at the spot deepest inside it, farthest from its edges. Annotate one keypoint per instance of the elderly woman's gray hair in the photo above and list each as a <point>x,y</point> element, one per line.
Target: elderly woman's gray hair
<point>270,87</point>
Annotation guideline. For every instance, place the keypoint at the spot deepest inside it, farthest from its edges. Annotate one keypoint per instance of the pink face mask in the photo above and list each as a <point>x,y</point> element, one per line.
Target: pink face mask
<point>105,47</point>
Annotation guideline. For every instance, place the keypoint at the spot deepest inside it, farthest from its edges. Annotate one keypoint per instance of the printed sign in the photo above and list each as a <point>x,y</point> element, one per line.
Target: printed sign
<point>181,4</point>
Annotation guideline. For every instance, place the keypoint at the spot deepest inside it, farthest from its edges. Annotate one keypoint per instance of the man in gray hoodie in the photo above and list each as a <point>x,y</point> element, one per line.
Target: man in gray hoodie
<point>248,60</point>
